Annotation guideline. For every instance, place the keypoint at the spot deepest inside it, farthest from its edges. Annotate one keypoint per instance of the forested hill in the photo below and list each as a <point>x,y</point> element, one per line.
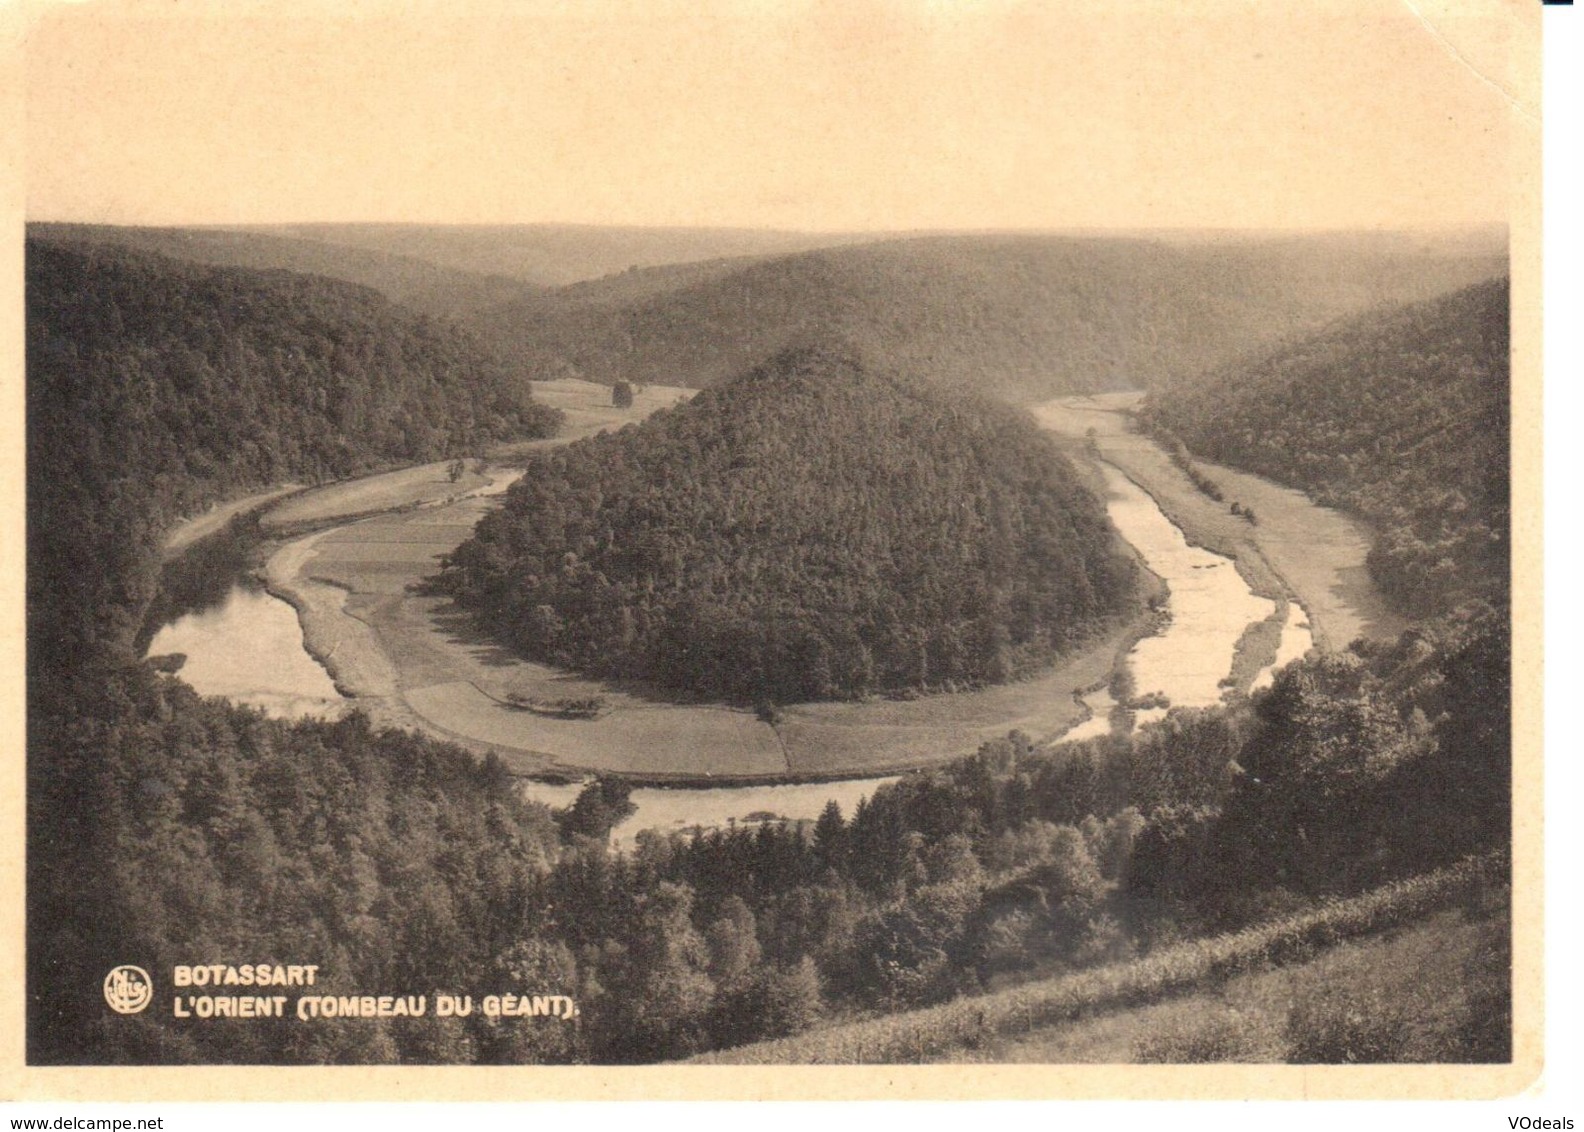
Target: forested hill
<point>160,826</point>
<point>1400,416</point>
<point>808,531</point>
<point>433,288</point>
<point>154,385</point>
<point>1019,317</point>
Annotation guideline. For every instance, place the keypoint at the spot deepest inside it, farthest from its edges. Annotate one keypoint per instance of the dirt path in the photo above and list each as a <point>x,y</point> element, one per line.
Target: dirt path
<point>189,531</point>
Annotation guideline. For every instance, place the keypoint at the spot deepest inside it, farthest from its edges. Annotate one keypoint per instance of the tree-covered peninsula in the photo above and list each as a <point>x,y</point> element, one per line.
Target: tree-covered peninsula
<point>809,531</point>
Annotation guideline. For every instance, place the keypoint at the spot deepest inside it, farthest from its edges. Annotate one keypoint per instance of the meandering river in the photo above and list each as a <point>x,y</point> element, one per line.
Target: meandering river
<point>250,649</point>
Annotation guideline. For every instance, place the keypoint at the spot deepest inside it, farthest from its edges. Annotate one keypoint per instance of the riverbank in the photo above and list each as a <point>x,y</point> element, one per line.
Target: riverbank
<point>1296,549</point>
<point>199,527</point>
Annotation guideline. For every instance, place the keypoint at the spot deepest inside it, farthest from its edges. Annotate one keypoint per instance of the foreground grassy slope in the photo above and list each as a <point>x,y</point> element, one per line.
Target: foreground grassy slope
<point>1432,990</point>
<point>954,1028</point>
<point>1016,316</point>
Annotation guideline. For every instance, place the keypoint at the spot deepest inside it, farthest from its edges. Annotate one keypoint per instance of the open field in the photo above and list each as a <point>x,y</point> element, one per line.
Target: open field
<point>383,640</point>
<point>1297,548</point>
<point>588,407</point>
<point>1319,552</point>
<point>656,741</point>
<point>840,738</point>
<point>409,487</point>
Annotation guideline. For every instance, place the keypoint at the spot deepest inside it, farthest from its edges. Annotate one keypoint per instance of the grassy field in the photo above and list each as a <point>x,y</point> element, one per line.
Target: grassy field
<point>1319,552</point>
<point>588,407</point>
<point>189,531</point>
<point>646,742</point>
<point>1038,1016</point>
<point>881,734</point>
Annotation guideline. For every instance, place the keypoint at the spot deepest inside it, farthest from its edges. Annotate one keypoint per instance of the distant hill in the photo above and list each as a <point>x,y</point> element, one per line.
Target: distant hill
<point>809,531</point>
<point>556,255</point>
<point>1399,415</point>
<point>415,282</point>
<point>1018,317</point>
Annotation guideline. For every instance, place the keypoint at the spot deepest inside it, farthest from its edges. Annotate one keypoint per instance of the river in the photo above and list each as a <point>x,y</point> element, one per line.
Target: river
<point>250,649</point>
<point>1211,605</point>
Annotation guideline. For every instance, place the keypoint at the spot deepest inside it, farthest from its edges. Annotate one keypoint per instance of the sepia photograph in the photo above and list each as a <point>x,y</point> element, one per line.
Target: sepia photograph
<point>736,536</point>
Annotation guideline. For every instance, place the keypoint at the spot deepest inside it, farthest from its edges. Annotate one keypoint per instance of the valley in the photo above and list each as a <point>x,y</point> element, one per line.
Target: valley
<point>911,673</point>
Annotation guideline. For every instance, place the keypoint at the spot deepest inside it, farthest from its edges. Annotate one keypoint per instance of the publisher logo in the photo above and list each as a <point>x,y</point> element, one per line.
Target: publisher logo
<point>128,989</point>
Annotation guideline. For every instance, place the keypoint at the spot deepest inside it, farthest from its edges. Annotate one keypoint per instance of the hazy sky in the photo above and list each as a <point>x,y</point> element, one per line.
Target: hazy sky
<point>846,114</point>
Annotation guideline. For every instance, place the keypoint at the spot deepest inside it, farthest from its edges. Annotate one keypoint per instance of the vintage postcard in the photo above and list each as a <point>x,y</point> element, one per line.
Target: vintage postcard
<point>696,550</point>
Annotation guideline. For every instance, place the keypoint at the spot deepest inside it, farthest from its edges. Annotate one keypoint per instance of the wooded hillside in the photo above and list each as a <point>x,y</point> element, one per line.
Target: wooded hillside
<point>1400,416</point>
<point>162,827</point>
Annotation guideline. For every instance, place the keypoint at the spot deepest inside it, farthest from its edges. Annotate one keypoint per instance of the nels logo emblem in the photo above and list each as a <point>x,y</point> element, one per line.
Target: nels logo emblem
<point>128,989</point>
